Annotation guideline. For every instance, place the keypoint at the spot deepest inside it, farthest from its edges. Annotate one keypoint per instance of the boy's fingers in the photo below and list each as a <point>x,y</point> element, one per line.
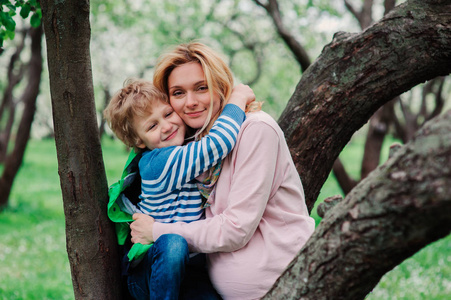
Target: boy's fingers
<point>136,216</point>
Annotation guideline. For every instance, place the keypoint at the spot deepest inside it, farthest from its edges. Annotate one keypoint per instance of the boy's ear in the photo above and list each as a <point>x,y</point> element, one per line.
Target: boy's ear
<point>140,144</point>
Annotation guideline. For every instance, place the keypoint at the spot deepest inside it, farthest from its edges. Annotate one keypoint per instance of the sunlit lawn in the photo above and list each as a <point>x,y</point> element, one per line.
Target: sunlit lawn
<point>34,264</point>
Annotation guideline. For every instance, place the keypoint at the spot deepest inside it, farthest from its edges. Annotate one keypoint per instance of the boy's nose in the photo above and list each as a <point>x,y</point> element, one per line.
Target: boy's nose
<point>166,126</point>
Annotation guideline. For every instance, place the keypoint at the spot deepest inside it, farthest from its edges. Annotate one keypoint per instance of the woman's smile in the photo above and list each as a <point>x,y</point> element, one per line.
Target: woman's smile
<point>195,114</point>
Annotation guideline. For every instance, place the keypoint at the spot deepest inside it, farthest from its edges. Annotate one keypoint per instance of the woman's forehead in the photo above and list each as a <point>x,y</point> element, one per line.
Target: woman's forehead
<point>189,73</point>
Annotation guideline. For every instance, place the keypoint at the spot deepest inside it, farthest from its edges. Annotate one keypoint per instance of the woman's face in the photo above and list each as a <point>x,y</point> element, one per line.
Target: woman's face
<point>189,94</point>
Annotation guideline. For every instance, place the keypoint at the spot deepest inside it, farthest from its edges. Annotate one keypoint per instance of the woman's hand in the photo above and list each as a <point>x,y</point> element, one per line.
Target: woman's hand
<point>142,229</point>
<point>241,96</point>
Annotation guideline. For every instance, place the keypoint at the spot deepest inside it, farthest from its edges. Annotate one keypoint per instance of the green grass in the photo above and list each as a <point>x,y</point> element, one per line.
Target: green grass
<point>33,259</point>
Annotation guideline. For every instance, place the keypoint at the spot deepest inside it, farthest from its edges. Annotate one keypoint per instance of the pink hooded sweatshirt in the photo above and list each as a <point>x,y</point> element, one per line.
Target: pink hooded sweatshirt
<point>258,220</point>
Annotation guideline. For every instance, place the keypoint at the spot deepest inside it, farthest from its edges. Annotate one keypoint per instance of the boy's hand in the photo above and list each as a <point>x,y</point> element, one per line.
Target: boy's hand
<point>241,96</point>
<point>142,228</point>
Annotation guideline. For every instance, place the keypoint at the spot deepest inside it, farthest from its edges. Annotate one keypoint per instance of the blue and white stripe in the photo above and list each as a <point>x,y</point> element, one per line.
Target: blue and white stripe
<point>169,193</point>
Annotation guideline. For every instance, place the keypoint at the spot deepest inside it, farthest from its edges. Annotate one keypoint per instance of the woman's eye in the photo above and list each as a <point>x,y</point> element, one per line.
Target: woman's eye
<point>176,93</point>
<point>203,88</point>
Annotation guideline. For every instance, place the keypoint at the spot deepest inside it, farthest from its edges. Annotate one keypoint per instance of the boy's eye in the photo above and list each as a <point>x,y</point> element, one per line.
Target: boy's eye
<point>152,126</point>
<point>169,113</point>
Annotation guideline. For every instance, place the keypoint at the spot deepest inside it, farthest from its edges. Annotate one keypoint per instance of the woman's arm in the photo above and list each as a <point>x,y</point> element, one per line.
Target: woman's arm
<point>250,189</point>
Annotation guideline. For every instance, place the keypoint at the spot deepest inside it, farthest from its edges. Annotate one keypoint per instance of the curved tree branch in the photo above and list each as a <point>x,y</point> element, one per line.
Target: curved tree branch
<point>401,207</point>
<point>365,15</point>
<point>355,75</point>
<point>352,10</point>
<point>300,54</point>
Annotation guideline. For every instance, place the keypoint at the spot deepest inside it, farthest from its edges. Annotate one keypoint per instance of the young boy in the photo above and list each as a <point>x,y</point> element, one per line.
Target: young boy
<point>141,117</point>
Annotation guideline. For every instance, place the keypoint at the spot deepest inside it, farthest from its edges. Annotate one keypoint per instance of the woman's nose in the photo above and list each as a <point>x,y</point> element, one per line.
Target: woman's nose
<point>191,100</point>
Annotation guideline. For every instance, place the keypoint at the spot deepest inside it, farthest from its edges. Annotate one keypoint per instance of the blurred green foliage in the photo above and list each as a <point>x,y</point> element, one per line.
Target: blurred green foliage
<point>8,10</point>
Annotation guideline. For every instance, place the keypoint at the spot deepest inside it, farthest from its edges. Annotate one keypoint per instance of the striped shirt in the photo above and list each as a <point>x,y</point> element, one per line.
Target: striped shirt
<point>169,191</point>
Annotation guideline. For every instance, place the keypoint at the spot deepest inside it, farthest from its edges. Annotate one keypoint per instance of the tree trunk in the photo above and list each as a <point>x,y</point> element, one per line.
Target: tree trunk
<point>399,208</point>
<point>365,15</point>
<point>15,74</point>
<point>14,159</point>
<point>106,100</point>
<point>346,182</point>
<point>377,130</point>
<point>355,75</point>
<point>91,241</point>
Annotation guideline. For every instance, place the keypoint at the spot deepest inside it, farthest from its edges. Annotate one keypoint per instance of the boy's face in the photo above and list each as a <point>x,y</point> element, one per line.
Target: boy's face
<point>162,128</point>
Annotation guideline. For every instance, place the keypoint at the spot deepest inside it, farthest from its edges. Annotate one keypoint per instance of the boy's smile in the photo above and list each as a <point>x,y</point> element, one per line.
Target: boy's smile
<point>162,127</point>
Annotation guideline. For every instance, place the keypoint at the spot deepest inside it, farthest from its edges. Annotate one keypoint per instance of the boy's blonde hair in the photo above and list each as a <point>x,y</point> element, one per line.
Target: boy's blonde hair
<point>217,74</point>
<point>134,99</point>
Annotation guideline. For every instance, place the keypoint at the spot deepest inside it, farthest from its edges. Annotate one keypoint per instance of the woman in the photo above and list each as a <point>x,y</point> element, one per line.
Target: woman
<point>257,220</point>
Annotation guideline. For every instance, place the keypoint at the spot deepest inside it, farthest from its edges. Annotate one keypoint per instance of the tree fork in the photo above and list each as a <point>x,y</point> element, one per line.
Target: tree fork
<point>398,209</point>
<point>355,75</point>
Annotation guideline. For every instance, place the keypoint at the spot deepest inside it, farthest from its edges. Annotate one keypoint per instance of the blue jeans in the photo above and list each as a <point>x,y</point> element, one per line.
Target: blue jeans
<point>167,272</point>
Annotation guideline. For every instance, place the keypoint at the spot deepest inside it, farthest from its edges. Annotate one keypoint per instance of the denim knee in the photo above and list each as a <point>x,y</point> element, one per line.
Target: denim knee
<point>172,248</point>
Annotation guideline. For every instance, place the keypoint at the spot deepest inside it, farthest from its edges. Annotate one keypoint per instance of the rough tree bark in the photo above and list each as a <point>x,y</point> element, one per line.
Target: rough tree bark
<point>399,208</point>
<point>90,237</point>
<point>14,159</point>
<point>378,125</point>
<point>355,75</point>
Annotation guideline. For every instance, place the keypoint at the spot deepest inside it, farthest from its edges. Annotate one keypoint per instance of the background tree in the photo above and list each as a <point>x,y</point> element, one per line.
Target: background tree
<point>13,159</point>
<point>15,75</point>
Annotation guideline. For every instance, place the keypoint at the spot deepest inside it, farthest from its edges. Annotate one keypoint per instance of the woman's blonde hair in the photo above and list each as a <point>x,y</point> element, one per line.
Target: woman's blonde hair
<point>134,99</point>
<point>217,74</point>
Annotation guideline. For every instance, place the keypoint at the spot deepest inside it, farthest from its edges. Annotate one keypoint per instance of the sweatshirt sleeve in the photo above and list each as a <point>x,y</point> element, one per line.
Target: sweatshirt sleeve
<point>250,190</point>
<point>169,168</point>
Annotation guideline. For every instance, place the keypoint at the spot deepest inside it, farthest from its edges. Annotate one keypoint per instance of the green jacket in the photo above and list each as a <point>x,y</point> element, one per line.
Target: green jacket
<point>119,212</point>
